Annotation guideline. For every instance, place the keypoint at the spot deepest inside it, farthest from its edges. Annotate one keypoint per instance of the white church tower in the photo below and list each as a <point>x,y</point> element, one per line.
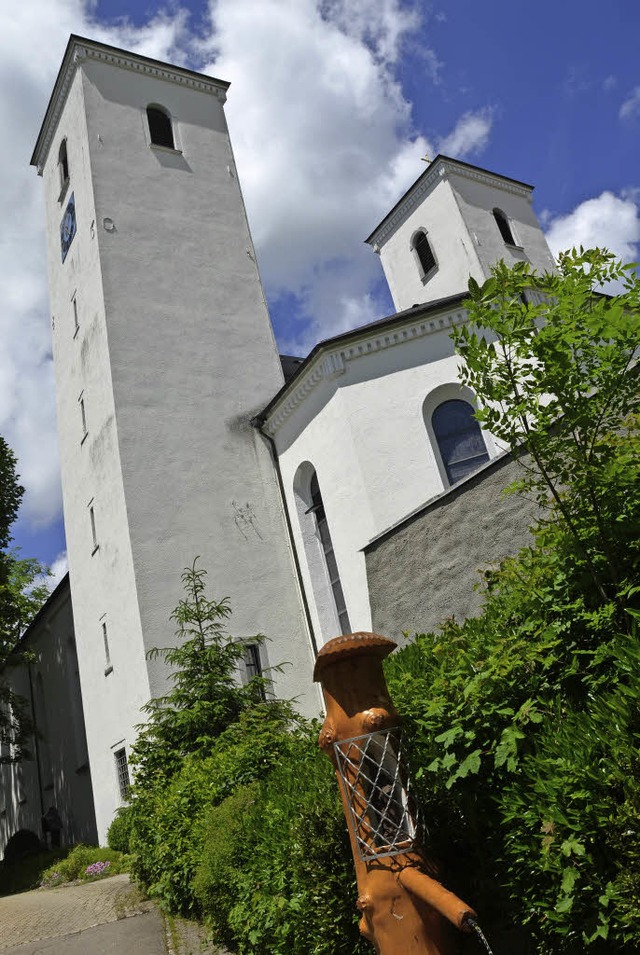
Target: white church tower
<point>163,353</point>
<point>453,223</point>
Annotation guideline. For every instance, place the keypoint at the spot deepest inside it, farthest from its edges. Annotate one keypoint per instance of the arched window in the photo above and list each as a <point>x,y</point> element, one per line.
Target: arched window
<point>459,439</point>
<point>320,557</point>
<point>317,509</point>
<point>160,129</point>
<point>503,224</point>
<point>424,253</point>
<point>63,164</point>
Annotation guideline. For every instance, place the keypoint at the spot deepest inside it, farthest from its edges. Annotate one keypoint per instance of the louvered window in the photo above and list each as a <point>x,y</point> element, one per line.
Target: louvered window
<point>160,129</point>
<point>424,252</point>
<point>503,224</point>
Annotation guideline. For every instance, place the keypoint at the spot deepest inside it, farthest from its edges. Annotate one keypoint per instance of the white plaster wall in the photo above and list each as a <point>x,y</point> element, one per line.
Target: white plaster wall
<point>457,215</point>
<point>193,359</point>
<point>102,582</point>
<point>439,215</point>
<point>477,200</point>
<point>174,355</point>
<point>364,432</point>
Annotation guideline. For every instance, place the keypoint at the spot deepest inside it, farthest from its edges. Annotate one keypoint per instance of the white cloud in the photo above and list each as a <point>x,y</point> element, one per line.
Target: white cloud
<point>607,221</point>
<point>321,132</point>
<point>470,134</point>
<point>630,109</point>
<point>58,569</point>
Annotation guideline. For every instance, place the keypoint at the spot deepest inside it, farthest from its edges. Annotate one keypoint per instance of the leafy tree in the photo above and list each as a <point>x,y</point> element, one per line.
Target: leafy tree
<point>23,590</point>
<point>553,364</point>
<point>524,720</point>
<point>205,696</point>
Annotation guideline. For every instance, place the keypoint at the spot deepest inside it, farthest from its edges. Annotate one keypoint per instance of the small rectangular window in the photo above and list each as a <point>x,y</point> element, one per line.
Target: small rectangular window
<point>122,773</point>
<point>76,322</point>
<point>83,417</point>
<point>108,666</point>
<point>252,664</point>
<point>92,519</point>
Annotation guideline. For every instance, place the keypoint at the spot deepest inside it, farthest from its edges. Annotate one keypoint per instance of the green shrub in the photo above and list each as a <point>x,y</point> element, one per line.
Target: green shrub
<point>279,878</point>
<point>167,817</point>
<point>119,832</point>
<point>524,727</point>
<point>74,866</point>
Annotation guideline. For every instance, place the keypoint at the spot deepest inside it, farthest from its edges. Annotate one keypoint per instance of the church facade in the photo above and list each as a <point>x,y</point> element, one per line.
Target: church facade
<point>182,431</point>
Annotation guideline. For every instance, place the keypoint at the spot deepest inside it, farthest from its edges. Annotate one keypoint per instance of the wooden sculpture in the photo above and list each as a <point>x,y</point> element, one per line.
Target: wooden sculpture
<point>405,910</point>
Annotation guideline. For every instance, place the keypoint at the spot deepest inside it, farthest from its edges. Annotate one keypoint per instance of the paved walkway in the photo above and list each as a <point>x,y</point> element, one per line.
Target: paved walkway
<point>68,910</point>
<point>94,917</point>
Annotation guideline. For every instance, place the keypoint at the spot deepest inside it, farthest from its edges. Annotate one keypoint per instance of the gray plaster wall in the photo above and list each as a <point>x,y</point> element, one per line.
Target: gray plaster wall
<point>57,774</point>
<point>426,568</point>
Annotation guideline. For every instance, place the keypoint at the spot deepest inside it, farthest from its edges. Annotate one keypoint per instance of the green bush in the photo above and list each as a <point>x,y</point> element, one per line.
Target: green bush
<point>167,817</point>
<point>276,874</point>
<point>524,728</point>
<point>74,866</point>
<point>119,832</point>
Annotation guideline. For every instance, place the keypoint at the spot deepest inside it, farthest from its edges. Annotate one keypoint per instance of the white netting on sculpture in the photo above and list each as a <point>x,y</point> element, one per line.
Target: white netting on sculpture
<point>377,786</point>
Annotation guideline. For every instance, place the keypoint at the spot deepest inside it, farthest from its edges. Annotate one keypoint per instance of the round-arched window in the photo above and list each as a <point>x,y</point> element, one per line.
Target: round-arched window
<point>459,438</point>
<point>160,129</point>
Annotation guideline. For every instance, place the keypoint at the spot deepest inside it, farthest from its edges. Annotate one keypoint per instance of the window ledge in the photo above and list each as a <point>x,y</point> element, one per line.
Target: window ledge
<point>84,438</point>
<point>76,330</point>
<point>64,190</point>
<point>428,275</point>
<point>516,248</point>
<point>96,548</point>
<point>108,670</point>
<point>166,149</point>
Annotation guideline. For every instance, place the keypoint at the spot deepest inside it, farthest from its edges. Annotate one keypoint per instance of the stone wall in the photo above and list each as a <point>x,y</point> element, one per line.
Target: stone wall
<point>427,567</point>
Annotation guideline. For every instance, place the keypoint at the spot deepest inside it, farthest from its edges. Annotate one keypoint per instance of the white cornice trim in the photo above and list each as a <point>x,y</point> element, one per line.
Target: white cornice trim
<point>331,363</point>
<point>441,172</point>
<point>80,51</point>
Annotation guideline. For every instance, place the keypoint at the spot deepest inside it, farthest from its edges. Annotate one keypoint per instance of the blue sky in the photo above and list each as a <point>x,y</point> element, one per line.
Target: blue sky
<point>332,104</point>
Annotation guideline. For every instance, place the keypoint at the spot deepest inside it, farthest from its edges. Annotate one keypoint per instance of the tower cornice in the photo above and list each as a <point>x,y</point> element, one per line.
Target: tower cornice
<point>79,50</point>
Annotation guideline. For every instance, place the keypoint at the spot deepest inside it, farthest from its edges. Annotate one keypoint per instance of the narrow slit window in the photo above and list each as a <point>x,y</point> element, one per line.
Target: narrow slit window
<point>424,252</point>
<point>503,225</point>
<point>92,519</point>
<point>83,416</point>
<point>107,652</point>
<point>160,128</point>
<point>122,773</point>
<point>76,322</point>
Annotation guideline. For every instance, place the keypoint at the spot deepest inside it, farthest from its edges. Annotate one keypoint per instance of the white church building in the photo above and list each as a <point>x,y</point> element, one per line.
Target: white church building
<point>183,433</point>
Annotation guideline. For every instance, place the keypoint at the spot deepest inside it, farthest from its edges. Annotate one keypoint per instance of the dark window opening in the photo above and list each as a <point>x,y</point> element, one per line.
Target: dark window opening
<point>317,508</point>
<point>160,128</point>
<point>459,439</point>
<point>424,252</point>
<point>503,224</point>
<point>63,163</point>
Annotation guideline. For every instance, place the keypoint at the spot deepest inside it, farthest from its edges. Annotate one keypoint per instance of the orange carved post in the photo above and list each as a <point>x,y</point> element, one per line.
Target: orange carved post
<point>405,911</point>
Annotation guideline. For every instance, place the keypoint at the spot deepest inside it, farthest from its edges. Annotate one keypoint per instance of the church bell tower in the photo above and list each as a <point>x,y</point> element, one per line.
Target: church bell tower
<point>163,353</point>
